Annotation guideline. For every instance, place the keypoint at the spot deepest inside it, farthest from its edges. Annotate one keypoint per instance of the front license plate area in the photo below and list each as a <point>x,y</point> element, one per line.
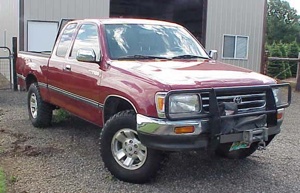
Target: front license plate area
<point>239,145</point>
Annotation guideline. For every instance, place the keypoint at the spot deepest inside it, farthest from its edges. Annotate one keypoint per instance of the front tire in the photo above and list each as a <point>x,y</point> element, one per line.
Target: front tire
<point>122,152</point>
<point>40,112</point>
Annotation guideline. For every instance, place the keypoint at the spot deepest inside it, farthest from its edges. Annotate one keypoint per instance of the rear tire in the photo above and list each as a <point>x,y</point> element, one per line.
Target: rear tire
<point>40,112</point>
<point>122,152</point>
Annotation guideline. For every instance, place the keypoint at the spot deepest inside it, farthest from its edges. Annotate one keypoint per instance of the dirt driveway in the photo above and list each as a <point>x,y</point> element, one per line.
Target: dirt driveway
<point>65,158</point>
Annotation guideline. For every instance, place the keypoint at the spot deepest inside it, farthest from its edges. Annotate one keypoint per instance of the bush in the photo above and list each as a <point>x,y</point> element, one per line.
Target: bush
<point>286,66</point>
<point>60,115</point>
<point>279,69</point>
<point>293,51</point>
<point>276,69</point>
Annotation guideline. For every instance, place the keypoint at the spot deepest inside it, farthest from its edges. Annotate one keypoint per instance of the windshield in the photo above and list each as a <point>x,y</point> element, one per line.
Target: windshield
<point>148,41</point>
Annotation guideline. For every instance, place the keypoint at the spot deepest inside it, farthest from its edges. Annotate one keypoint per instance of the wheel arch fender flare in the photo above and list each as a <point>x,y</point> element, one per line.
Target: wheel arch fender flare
<point>120,98</point>
<point>30,78</point>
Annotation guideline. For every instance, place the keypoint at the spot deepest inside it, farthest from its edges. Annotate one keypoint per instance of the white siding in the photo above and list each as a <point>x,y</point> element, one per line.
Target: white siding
<point>9,14</point>
<point>9,20</point>
<point>236,17</point>
<point>55,10</point>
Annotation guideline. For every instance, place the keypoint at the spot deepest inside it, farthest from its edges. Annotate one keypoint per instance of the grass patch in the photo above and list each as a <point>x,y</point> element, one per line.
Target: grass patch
<point>2,182</point>
<point>60,115</point>
<point>13,179</point>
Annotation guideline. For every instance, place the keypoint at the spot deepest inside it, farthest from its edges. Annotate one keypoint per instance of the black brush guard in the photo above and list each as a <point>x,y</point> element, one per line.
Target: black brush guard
<point>215,117</point>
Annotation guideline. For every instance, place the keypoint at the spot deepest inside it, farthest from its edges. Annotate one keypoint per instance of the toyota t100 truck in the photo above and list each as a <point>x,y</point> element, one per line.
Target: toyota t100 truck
<point>153,89</point>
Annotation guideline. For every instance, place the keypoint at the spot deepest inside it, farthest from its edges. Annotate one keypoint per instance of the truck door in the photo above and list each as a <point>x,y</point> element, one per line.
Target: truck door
<point>58,78</point>
<point>85,76</point>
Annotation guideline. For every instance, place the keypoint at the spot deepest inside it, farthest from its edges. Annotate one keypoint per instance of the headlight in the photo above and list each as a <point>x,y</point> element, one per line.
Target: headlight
<point>281,95</point>
<point>184,103</point>
<point>180,105</point>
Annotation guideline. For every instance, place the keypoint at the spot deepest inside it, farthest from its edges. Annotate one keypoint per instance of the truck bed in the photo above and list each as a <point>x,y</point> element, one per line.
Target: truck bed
<point>28,63</point>
<point>39,54</point>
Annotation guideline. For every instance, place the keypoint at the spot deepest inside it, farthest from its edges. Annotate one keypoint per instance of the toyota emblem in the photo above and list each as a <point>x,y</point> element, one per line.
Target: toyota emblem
<point>238,100</point>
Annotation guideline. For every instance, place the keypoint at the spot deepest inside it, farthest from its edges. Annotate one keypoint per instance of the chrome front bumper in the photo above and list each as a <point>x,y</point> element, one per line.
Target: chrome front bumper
<point>155,126</point>
<point>159,134</point>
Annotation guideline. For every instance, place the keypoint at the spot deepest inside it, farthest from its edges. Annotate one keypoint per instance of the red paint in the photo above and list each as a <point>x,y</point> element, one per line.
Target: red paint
<point>137,81</point>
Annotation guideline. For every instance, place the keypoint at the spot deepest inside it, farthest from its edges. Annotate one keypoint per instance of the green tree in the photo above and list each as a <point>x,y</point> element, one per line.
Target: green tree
<point>293,52</point>
<point>282,22</point>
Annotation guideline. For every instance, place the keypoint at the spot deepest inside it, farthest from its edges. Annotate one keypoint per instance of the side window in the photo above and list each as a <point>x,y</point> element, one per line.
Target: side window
<point>65,40</point>
<point>87,37</point>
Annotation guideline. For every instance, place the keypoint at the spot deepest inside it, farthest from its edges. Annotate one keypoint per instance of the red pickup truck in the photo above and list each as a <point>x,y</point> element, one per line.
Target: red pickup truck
<point>152,88</point>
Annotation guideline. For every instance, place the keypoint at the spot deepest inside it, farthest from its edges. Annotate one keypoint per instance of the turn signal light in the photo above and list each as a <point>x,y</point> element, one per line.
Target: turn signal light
<point>279,115</point>
<point>161,104</point>
<point>183,130</point>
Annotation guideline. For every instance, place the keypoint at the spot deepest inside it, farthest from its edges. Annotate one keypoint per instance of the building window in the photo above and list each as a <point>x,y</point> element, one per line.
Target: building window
<point>235,47</point>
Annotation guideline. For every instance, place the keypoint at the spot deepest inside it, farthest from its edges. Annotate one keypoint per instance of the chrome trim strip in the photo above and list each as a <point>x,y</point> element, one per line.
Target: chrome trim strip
<point>241,95</point>
<point>41,84</point>
<point>21,76</point>
<point>252,109</point>
<point>253,101</point>
<point>118,96</point>
<point>256,101</point>
<point>246,109</point>
<point>74,96</point>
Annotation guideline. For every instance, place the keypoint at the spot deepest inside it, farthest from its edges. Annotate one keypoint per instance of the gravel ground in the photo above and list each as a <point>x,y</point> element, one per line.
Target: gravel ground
<point>65,158</point>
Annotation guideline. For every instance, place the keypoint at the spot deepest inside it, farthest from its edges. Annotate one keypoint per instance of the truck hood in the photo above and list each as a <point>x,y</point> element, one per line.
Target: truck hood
<point>191,74</point>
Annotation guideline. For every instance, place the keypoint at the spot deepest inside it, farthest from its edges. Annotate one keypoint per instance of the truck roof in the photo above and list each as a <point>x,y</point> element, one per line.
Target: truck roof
<point>129,21</point>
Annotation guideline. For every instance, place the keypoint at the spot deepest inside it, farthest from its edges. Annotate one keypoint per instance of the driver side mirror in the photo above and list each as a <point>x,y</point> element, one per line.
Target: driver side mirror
<point>213,54</point>
<point>86,55</point>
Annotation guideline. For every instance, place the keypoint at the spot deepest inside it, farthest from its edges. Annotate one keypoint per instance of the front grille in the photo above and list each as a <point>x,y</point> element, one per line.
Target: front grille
<point>247,102</point>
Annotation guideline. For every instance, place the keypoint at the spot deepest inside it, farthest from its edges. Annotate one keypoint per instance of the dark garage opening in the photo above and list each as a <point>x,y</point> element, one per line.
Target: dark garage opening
<point>189,13</point>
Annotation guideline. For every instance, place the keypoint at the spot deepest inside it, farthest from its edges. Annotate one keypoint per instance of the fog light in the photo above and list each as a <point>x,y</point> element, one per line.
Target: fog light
<point>183,130</point>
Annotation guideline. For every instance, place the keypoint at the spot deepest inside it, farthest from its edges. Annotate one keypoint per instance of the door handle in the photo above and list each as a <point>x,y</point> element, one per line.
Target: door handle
<point>68,67</point>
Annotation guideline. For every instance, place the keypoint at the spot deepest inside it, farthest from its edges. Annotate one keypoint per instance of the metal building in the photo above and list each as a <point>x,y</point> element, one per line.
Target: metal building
<point>235,28</point>
<point>9,20</point>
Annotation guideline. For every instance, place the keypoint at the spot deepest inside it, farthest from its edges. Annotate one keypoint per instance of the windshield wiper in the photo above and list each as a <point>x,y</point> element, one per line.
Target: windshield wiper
<point>188,57</point>
<point>142,57</point>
